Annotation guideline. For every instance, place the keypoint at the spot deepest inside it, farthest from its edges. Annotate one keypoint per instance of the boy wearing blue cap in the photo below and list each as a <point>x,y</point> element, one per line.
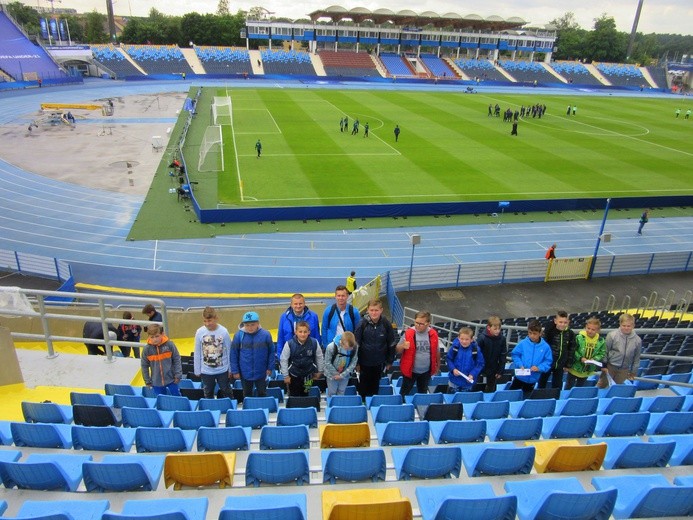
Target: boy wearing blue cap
<point>252,355</point>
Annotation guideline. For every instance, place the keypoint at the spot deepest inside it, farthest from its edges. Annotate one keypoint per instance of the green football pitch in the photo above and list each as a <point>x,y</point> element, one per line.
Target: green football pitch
<point>448,149</point>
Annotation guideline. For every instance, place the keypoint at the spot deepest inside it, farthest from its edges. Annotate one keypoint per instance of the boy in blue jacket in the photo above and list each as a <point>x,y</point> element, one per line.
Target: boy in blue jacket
<point>252,355</point>
<point>531,353</point>
<point>465,361</point>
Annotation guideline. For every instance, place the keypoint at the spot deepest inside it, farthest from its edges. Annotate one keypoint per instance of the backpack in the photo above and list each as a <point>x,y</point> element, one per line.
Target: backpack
<point>336,353</point>
<point>456,349</point>
<point>350,309</point>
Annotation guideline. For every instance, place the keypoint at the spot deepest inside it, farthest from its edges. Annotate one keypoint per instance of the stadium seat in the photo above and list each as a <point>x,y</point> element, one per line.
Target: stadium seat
<point>6,433</point>
<point>441,412</point>
<point>487,410</point>
<point>256,418</point>
<point>133,401</point>
<point>387,412</point>
<point>514,429</point>
<point>683,451</point>
<point>259,507</point>
<point>47,412</point>
<point>103,438</point>
<point>344,400</point>
<point>295,416</point>
<point>91,398</point>
<point>44,472</point>
<point>277,467</point>
<point>567,455</point>
<point>434,462</point>
<point>231,438</point>
<point>560,498</point>
<point>645,496</point>
<point>199,469</point>
<point>383,504</point>
<point>612,405</point>
<point>353,465</point>
<point>580,392</point>
<point>406,433</point>
<point>172,403</point>
<point>95,415</point>
<point>10,455</point>
<point>42,435</point>
<point>663,403</point>
<point>345,435</point>
<point>531,408</point>
<point>346,414</point>
<point>622,424</point>
<point>267,403</point>
<point>147,417</point>
<point>303,402</point>
<point>618,391</point>
<point>576,406</point>
<point>65,509</point>
<point>222,405</point>
<point>465,397</point>
<point>568,426</point>
<point>193,508</point>
<point>547,393</point>
<point>670,423</point>
<point>196,419</point>
<point>424,399</point>
<point>284,437</point>
<point>380,400</point>
<point>497,458</point>
<point>163,440</point>
<point>468,501</point>
<point>512,396</point>
<point>626,453</point>
<point>123,473</point>
<point>113,389</point>
<point>452,432</point>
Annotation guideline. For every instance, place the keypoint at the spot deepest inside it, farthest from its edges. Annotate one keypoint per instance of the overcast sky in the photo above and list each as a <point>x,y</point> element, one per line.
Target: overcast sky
<point>658,16</point>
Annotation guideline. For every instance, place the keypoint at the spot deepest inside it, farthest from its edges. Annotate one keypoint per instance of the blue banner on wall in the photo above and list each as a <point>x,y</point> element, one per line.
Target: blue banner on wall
<point>62,27</point>
<point>44,28</point>
<point>53,24</point>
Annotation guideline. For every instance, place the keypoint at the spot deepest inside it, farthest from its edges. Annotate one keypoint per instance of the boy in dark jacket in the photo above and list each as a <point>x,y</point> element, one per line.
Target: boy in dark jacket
<point>562,342</point>
<point>495,350</point>
<point>301,361</point>
<point>252,355</point>
<point>161,365</point>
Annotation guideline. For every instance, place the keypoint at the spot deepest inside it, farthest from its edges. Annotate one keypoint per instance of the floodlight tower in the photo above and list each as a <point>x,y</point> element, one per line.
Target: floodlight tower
<point>631,42</point>
<point>111,20</point>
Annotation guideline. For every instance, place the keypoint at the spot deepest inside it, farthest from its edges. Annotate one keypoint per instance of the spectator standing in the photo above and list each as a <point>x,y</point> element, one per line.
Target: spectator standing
<point>622,352</point>
<point>212,352</point>
<point>465,361</point>
<point>339,317</point>
<point>301,361</point>
<point>341,357</point>
<point>351,282</point>
<point>551,253</point>
<point>376,340</point>
<point>561,339</point>
<point>494,348</point>
<point>94,330</point>
<point>258,148</point>
<point>252,355</point>
<point>590,348</point>
<point>397,131</point>
<point>532,354</point>
<point>644,219</point>
<point>152,315</point>
<point>129,333</point>
<point>420,354</point>
<point>297,311</point>
<point>161,365</point>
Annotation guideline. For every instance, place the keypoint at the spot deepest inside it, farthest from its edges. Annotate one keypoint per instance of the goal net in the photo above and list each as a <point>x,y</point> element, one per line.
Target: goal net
<point>222,113</point>
<point>211,151</point>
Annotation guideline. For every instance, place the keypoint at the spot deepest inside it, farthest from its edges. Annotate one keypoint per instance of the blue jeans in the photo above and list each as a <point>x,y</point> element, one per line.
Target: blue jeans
<point>210,381</point>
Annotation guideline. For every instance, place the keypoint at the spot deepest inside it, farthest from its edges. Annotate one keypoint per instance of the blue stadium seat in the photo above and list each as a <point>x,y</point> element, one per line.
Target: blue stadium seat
<point>497,458</point>
<point>645,496</point>
<point>47,412</point>
<point>6,433</point>
<point>193,508</point>
<point>405,433</point>
<point>163,440</point>
<point>147,417</point>
<point>261,507</point>
<point>514,429</point>
<point>43,471</point>
<point>196,419</point>
<point>387,412</point>
<point>451,432</point>
<point>468,501</point>
<point>670,423</point>
<point>65,509</point>
<point>580,392</point>
<point>256,418</point>
<point>103,438</point>
<point>113,389</point>
<point>10,455</point>
<point>612,405</point>
<point>626,453</point>
<point>172,403</point>
<point>344,400</point>
<point>267,403</point>
<point>352,465</point>
<point>90,398</point>
<point>380,400</point>
<point>533,408</point>
<point>294,416</point>
<point>618,391</point>
<point>577,406</point>
<point>231,438</point>
<point>568,426</point>
<point>284,437</point>
<point>663,403</point>
<point>223,405</point>
<point>124,473</point>
<point>346,414</point>
<point>512,396</point>
<point>683,451</point>
<point>424,399</point>
<point>622,424</point>
<point>487,410</point>
<point>560,498</point>
<point>42,435</point>
<point>277,467</point>
<point>465,397</point>
<point>434,462</point>
<point>133,401</point>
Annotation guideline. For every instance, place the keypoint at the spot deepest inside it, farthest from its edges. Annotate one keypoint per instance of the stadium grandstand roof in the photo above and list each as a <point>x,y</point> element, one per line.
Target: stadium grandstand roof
<point>337,13</point>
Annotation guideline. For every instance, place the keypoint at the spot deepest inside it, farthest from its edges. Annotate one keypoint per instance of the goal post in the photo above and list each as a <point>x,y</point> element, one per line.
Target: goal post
<point>211,150</point>
<point>222,111</point>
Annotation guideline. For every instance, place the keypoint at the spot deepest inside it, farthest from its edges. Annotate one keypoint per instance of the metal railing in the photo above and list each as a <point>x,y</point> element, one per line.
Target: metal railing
<point>46,313</point>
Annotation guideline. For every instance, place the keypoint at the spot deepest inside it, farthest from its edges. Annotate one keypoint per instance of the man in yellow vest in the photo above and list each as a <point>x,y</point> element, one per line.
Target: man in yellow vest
<point>351,282</point>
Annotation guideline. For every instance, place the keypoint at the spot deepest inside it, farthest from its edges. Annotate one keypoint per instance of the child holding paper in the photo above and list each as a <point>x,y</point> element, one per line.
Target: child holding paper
<point>531,358</point>
<point>465,361</point>
<point>589,354</point>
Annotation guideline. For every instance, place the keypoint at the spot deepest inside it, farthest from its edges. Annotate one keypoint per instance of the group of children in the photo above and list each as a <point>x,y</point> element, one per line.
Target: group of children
<point>544,356</point>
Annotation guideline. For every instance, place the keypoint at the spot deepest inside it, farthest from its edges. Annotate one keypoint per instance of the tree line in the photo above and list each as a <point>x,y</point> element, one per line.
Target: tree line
<point>602,43</point>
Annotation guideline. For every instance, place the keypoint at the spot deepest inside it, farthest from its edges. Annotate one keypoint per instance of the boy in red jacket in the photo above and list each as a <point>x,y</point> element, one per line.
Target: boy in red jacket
<point>420,354</point>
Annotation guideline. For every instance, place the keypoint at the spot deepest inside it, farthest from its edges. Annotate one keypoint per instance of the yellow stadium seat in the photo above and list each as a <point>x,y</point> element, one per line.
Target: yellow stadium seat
<point>199,469</point>
<point>366,504</point>
<point>355,435</point>
<point>567,455</point>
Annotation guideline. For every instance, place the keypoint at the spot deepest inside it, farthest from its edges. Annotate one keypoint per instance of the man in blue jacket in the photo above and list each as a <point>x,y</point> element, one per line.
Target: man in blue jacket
<point>252,355</point>
<point>297,311</point>
<point>533,354</point>
<point>339,317</point>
